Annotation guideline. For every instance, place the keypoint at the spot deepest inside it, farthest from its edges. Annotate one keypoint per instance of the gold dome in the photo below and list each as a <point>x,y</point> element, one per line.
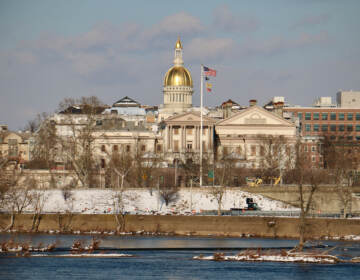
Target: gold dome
<point>178,76</point>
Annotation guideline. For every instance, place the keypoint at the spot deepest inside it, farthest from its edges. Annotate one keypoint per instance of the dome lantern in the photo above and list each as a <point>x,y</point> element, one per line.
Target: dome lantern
<point>178,75</point>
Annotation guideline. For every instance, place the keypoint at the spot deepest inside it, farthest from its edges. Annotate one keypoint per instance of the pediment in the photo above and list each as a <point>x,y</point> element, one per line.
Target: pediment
<point>190,117</point>
<point>254,116</point>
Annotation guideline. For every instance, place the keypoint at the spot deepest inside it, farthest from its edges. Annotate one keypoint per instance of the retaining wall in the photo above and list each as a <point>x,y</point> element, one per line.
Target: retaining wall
<point>194,225</point>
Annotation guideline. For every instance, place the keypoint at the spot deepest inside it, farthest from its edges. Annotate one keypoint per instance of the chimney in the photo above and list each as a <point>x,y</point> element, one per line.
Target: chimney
<point>252,102</point>
<point>278,108</point>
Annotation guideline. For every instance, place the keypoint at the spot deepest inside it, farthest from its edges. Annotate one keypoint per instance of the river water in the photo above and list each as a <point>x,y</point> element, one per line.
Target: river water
<point>168,257</point>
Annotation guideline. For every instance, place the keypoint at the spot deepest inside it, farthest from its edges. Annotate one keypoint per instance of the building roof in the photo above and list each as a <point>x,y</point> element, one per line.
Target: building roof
<point>126,102</point>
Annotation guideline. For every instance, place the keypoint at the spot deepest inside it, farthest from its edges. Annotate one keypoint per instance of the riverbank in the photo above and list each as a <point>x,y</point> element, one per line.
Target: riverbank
<point>267,227</point>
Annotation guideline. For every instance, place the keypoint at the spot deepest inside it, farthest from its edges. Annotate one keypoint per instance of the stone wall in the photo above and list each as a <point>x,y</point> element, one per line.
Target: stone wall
<point>194,225</point>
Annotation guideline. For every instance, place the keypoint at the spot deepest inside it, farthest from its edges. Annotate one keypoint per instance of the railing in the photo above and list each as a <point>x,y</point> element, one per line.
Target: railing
<point>274,214</point>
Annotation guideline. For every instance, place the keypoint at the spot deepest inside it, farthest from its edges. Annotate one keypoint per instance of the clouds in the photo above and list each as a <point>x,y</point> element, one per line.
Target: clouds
<point>254,59</point>
<point>280,45</point>
<point>180,23</point>
<point>311,21</point>
<point>227,21</point>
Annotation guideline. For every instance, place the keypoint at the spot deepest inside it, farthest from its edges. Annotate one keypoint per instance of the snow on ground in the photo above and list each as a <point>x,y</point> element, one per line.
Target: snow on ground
<point>90,201</point>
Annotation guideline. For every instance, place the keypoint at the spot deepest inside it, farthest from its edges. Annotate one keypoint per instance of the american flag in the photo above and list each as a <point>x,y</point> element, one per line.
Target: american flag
<point>209,72</point>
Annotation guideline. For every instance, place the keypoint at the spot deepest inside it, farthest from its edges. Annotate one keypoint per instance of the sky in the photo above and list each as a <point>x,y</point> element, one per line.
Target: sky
<point>50,50</point>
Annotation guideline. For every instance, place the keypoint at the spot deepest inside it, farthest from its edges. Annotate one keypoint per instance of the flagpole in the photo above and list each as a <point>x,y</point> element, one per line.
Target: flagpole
<point>201,121</point>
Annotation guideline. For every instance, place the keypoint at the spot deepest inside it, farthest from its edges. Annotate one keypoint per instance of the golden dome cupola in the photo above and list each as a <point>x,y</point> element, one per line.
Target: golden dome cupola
<point>178,83</point>
<point>178,75</point>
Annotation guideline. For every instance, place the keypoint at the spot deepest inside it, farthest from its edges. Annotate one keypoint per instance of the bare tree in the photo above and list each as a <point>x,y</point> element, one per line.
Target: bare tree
<point>65,220</point>
<point>341,158</point>
<point>168,191</point>
<point>38,203</point>
<point>119,167</point>
<point>46,140</point>
<point>218,193</point>
<point>226,167</point>
<point>273,155</point>
<point>17,197</point>
<point>77,145</point>
<point>145,169</point>
<point>119,209</point>
<point>4,175</point>
<point>34,124</point>
<point>302,174</point>
<point>191,166</point>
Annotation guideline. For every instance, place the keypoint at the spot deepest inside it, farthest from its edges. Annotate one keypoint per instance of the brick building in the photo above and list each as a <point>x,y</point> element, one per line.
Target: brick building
<point>336,123</point>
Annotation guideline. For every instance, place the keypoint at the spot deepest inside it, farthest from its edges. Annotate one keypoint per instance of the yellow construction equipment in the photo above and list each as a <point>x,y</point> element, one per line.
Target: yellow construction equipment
<point>277,180</point>
<point>252,182</point>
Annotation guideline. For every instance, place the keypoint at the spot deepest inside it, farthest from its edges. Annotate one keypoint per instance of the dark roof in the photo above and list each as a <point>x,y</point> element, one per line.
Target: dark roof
<point>126,102</point>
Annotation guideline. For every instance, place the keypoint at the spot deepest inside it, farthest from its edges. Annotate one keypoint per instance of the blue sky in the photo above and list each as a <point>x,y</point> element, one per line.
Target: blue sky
<point>50,50</point>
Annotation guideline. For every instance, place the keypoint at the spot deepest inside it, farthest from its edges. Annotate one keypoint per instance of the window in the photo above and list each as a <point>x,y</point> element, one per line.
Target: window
<point>313,148</point>
<point>128,148</point>
<point>204,131</point>
<point>158,148</point>
<point>204,146</point>
<point>341,116</point>
<point>300,116</point>
<point>116,148</point>
<point>358,116</point>
<point>341,127</point>
<point>253,150</point>
<point>262,150</point>
<point>332,137</point>
<point>305,148</point>
<point>333,127</point>
<point>350,116</point>
<point>349,127</point>
<point>316,127</point>
<point>333,116</point>
<point>189,145</point>
<point>313,159</point>
<point>349,138</point>
<point>176,131</point>
<point>357,127</point>
<point>143,148</point>
<point>189,131</point>
<point>324,116</point>
<point>103,149</point>
<point>308,116</point>
<point>358,138</point>
<point>316,116</point>
<point>103,164</point>
<point>176,145</point>
<point>307,127</point>
<point>324,127</point>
